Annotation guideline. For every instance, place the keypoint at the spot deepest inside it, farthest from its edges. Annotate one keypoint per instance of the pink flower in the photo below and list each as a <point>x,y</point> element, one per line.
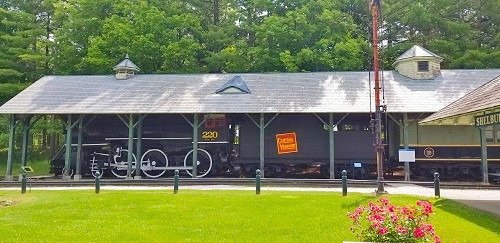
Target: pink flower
<point>437,239</point>
<point>428,228</point>
<point>418,232</point>
<point>382,231</point>
<point>401,230</point>
<point>394,218</point>
<point>391,209</point>
<point>426,207</point>
<point>394,223</point>
<point>384,200</point>
<point>376,224</point>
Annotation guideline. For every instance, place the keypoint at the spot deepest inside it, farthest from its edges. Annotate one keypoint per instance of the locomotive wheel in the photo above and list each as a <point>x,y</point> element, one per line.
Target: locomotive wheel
<point>119,164</point>
<point>204,163</point>
<point>154,163</point>
<point>94,167</point>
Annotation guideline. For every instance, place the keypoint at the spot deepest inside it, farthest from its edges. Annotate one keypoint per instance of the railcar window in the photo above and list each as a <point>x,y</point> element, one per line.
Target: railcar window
<point>215,121</point>
<point>489,133</point>
<point>354,127</point>
<point>348,127</point>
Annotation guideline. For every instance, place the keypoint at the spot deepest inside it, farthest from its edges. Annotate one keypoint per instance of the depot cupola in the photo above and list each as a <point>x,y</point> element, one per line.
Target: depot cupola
<point>125,69</point>
<point>418,63</point>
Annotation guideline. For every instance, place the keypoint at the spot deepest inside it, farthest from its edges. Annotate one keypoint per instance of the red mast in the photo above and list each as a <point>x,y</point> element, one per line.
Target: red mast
<point>379,146</point>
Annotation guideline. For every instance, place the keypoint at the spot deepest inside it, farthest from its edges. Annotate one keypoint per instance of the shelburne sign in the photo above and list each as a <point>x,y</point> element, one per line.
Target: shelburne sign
<point>488,119</point>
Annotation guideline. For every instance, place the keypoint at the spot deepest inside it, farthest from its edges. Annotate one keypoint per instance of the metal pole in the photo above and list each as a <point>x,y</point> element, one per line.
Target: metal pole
<point>176,181</point>
<point>97,182</point>
<point>484,155</point>
<point>261,143</point>
<point>138,154</point>
<point>437,191</point>
<point>332,145</point>
<point>379,147</point>
<point>195,146</point>
<point>405,143</point>
<point>257,182</point>
<point>79,148</point>
<point>67,157</point>
<point>344,183</point>
<point>12,134</point>
<point>130,146</point>
<point>23,182</point>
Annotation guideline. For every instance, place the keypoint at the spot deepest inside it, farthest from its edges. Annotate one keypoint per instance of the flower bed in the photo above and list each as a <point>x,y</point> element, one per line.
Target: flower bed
<point>385,222</point>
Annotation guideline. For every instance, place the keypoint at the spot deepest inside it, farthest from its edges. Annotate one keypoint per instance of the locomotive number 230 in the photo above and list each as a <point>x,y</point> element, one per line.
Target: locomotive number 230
<point>209,135</point>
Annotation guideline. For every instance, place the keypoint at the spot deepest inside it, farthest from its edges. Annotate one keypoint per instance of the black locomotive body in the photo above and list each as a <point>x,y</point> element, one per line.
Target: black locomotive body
<point>227,144</point>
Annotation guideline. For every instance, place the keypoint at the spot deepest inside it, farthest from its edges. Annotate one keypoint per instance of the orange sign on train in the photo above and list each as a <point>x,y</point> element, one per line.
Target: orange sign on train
<point>286,143</point>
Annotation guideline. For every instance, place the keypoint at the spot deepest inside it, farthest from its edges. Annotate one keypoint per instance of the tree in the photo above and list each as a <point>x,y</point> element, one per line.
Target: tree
<point>20,60</point>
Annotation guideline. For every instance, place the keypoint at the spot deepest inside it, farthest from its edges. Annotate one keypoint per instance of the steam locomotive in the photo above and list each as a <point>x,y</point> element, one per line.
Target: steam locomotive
<point>228,145</point>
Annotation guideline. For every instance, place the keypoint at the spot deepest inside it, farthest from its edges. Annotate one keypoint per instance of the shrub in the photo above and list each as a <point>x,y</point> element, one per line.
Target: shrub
<point>385,222</point>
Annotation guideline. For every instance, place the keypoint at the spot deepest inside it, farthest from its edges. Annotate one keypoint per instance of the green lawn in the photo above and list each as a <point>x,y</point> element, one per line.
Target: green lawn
<point>159,216</point>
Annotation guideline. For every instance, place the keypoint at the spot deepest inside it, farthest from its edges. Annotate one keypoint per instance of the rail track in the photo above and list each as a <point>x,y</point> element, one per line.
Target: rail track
<point>278,182</point>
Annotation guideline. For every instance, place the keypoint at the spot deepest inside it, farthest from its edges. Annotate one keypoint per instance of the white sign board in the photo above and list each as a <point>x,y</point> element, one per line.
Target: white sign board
<point>407,155</point>
<point>357,165</point>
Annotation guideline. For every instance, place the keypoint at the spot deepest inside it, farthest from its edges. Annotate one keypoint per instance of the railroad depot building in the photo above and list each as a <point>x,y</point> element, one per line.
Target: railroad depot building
<point>238,123</point>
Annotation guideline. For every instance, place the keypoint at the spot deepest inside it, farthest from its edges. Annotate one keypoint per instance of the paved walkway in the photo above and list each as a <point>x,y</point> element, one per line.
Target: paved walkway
<point>486,200</point>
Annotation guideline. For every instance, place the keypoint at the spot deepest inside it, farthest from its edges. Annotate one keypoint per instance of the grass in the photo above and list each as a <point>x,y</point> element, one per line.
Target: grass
<point>159,216</point>
<point>38,161</point>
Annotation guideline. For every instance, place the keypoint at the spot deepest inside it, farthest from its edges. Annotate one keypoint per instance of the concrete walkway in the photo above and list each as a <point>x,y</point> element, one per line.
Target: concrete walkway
<point>486,200</point>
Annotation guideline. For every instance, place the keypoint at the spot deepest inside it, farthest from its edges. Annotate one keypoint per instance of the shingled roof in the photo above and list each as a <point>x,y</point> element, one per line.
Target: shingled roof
<point>486,98</point>
<point>323,92</point>
<point>417,51</point>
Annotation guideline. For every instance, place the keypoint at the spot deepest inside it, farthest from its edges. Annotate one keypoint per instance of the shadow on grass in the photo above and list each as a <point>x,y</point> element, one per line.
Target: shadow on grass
<point>483,219</point>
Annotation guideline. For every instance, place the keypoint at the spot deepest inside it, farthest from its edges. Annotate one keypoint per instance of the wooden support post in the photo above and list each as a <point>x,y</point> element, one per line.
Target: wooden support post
<point>67,157</point>
<point>10,153</point>
<point>484,155</point>
<point>79,148</point>
<point>130,146</point>
<point>26,129</point>
<point>138,153</point>
<point>261,142</point>
<point>195,146</point>
<point>405,143</point>
<point>332,145</point>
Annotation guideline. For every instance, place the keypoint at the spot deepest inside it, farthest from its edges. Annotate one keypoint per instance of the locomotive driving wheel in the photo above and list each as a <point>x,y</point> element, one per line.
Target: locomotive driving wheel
<point>204,163</point>
<point>94,168</point>
<point>154,163</point>
<point>120,163</point>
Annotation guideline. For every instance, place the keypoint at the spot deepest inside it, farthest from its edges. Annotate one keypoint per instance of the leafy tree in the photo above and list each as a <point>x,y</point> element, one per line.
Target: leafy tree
<point>19,57</point>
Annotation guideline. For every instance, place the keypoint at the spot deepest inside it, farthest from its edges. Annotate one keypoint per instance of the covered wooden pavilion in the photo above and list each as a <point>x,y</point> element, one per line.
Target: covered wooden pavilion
<point>480,108</point>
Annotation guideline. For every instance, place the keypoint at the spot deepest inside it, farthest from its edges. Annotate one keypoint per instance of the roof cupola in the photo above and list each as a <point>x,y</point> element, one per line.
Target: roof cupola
<point>418,63</point>
<point>125,69</point>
